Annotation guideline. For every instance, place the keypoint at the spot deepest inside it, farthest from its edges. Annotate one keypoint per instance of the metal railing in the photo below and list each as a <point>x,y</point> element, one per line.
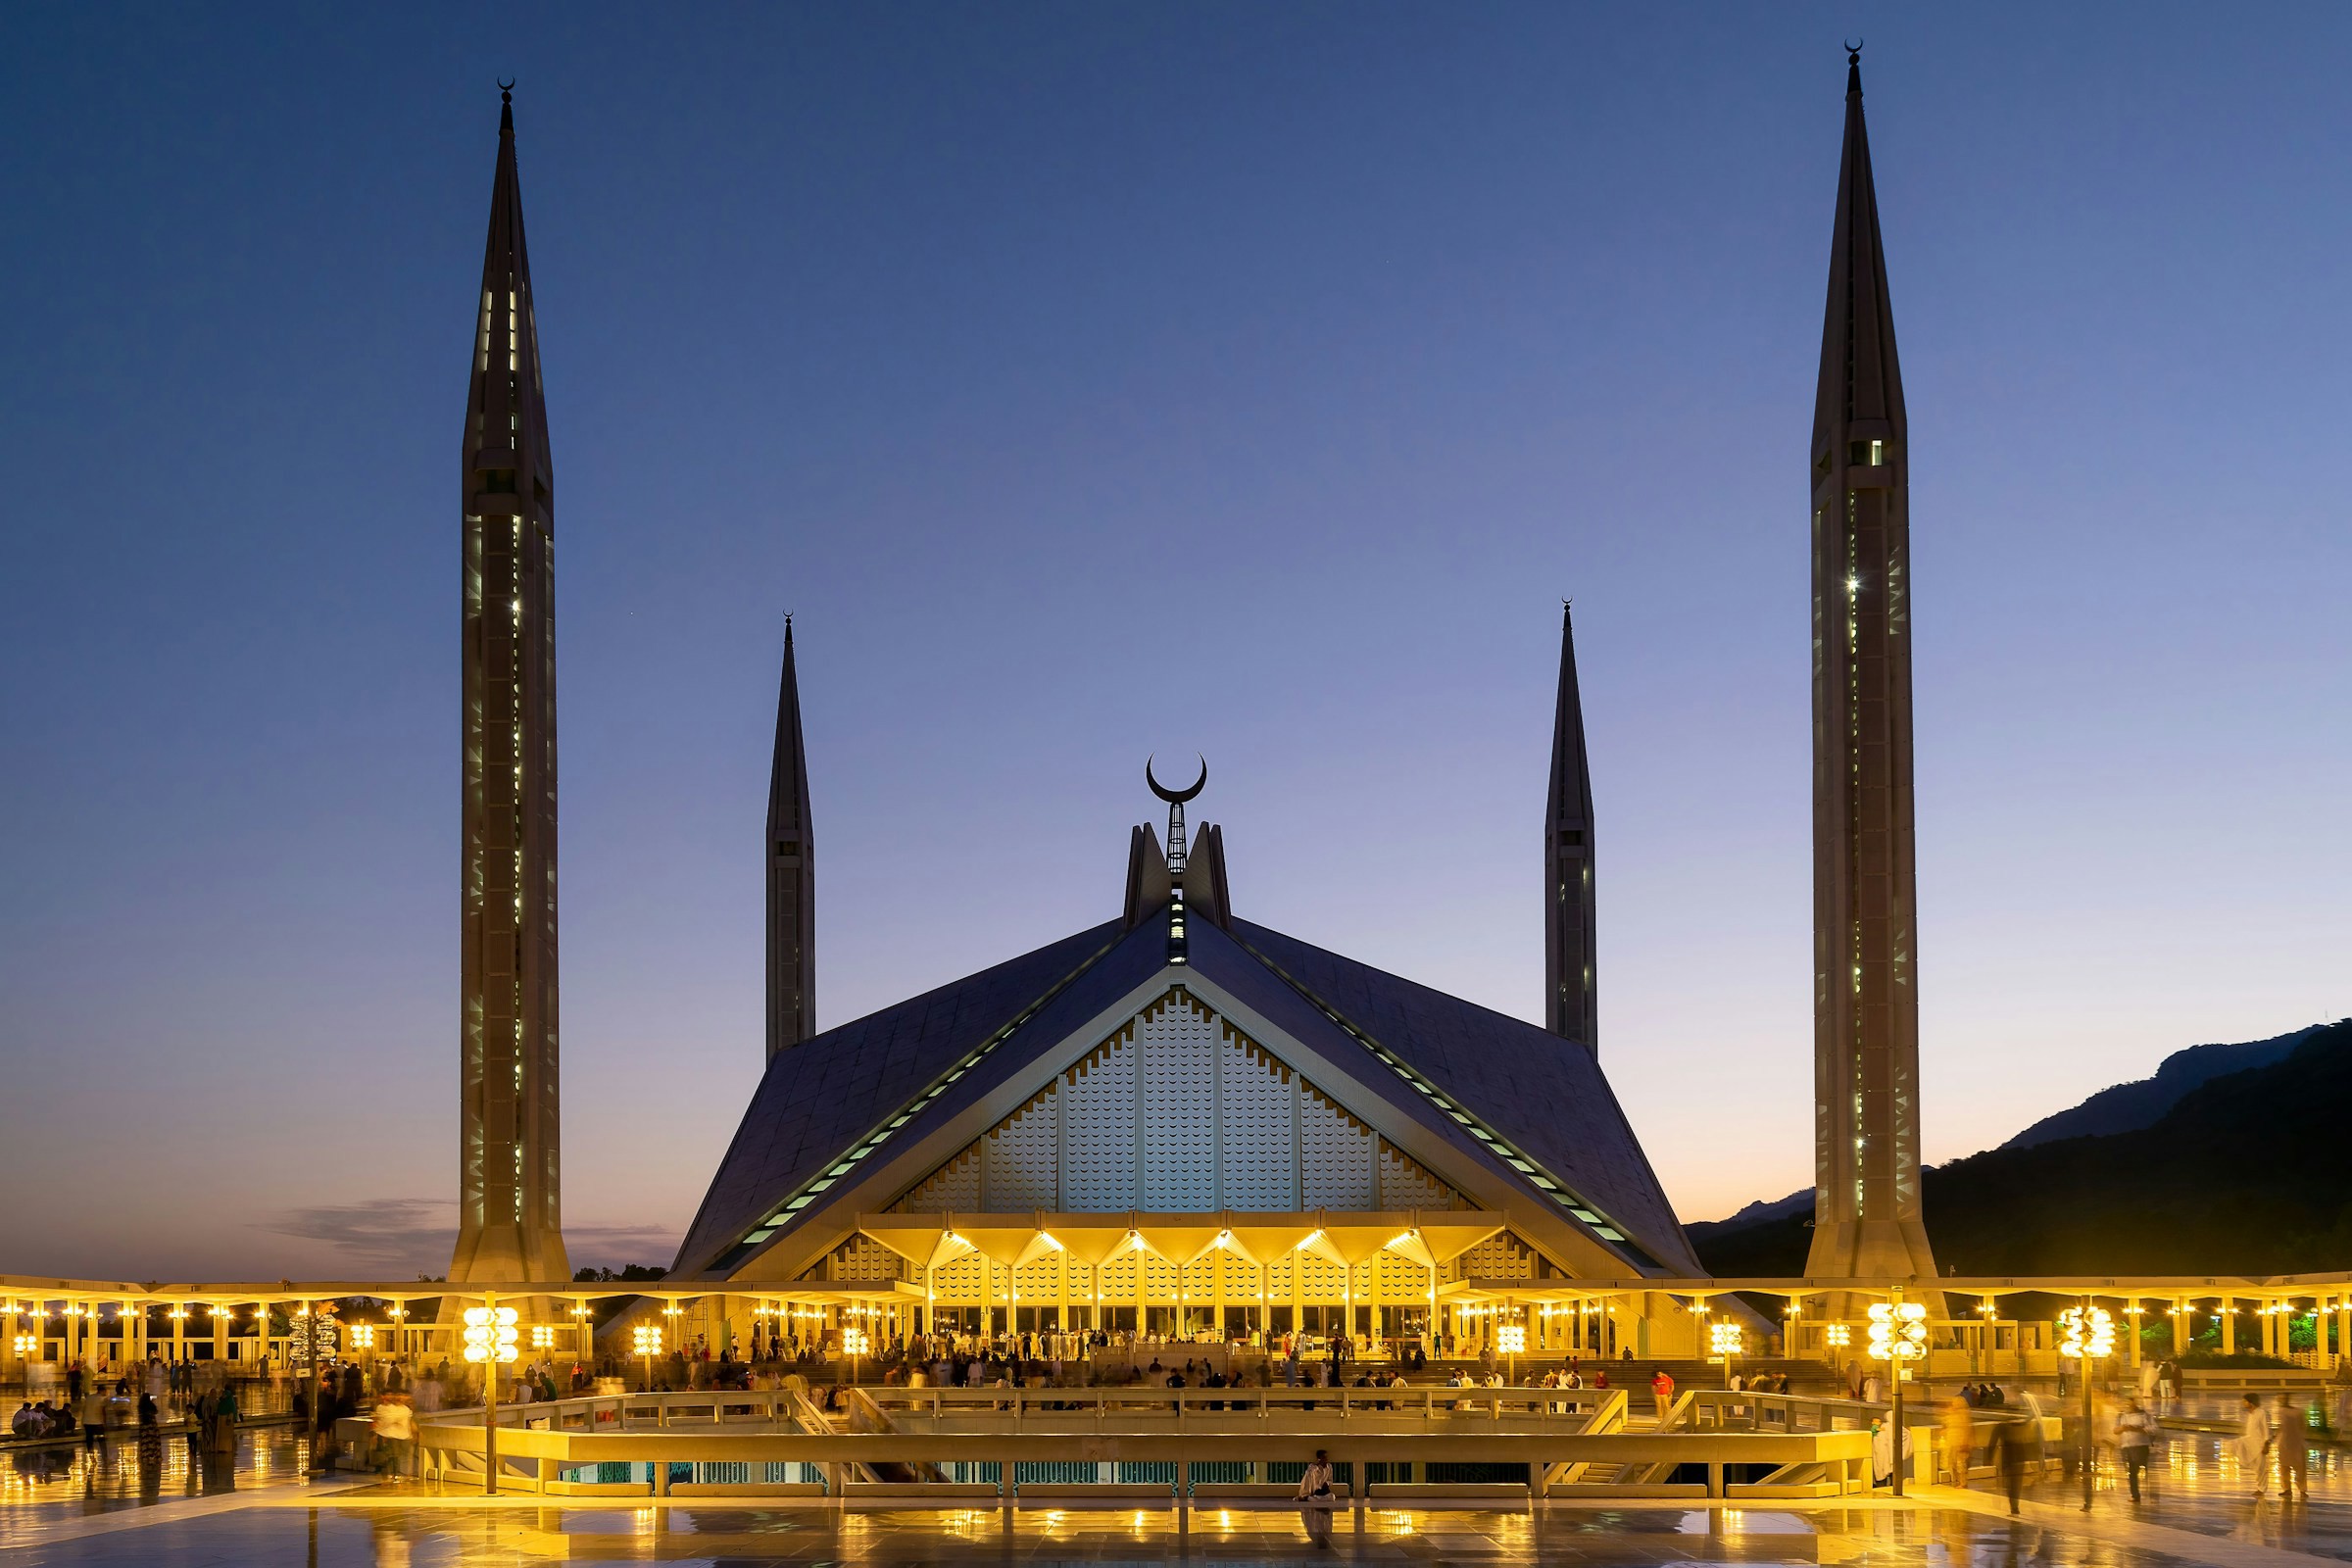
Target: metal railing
<point>1555,1435</point>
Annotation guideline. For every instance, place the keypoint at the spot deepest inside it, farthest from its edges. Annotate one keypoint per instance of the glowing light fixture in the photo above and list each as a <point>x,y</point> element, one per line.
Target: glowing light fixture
<point>490,1335</point>
<point>2085,1332</point>
<point>1898,1332</point>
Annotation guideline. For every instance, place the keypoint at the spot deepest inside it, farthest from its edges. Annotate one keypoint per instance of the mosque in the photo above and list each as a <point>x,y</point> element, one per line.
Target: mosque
<point>1182,1122</point>
<point>1178,1121</point>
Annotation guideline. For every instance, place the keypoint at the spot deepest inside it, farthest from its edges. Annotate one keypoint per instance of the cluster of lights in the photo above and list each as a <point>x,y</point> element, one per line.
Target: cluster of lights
<point>1838,1336</point>
<point>1511,1340</point>
<point>27,1347</point>
<point>363,1336</point>
<point>1724,1338</point>
<point>1898,1332</point>
<point>646,1338</point>
<point>2086,1331</point>
<point>543,1337</point>
<point>853,1342</point>
<point>490,1334</point>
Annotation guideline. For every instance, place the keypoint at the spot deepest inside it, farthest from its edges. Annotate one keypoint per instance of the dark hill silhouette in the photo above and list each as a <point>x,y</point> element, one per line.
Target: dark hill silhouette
<point>2243,1175</point>
<point>2128,1107</point>
<point>2118,1108</point>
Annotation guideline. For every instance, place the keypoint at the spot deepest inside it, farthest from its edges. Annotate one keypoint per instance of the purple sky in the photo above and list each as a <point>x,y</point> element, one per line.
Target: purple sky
<point>1090,380</point>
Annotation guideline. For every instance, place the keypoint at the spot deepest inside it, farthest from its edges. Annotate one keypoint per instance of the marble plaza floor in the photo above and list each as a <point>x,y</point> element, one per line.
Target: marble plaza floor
<point>99,1514</point>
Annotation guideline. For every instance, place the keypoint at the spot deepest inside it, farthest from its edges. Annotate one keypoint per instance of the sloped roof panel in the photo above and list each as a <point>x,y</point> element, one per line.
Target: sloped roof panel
<point>820,1098</point>
<point>1524,1082</point>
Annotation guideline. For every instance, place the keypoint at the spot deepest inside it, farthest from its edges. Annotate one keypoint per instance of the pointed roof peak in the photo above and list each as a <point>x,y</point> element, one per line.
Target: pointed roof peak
<point>506,109</point>
<point>1853,68</point>
<point>787,631</point>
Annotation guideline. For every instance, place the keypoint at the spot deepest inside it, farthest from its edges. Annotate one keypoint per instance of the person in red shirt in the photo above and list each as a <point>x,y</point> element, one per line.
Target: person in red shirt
<point>1661,1389</point>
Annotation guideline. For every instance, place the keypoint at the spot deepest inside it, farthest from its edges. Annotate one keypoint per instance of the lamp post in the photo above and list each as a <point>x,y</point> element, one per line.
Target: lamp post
<point>490,1340</point>
<point>362,1338</point>
<point>1725,1342</point>
<point>854,1343</point>
<point>646,1339</point>
<point>1899,1333</point>
<point>2087,1334</point>
<point>1511,1340</point>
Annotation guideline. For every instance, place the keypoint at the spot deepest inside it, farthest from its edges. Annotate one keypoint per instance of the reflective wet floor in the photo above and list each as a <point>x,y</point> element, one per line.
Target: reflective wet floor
<point>101,1510</point>
<point>412,1537</point>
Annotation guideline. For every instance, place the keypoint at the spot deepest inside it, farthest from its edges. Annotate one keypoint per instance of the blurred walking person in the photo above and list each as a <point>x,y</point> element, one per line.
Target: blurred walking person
<point>2015,1444</point>
<point>2135,1438</point>
<point>2254,1434</point>
<point>151,1445</point>
<point>1959,1438</point>
<point>2290,1435</point>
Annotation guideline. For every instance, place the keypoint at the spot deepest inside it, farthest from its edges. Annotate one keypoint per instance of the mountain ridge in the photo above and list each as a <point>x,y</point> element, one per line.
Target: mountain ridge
<point>2240,1174</point>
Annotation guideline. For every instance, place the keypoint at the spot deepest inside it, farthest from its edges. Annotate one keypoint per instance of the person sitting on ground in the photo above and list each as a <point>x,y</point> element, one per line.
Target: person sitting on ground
<point>29,1422</point>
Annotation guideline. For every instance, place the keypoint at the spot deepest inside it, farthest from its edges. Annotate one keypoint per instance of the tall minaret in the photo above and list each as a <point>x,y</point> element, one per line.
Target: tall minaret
<point>1571,1009</point>
<point>1865,937</point>
<point>510,1213</point>
<point>791,876</point>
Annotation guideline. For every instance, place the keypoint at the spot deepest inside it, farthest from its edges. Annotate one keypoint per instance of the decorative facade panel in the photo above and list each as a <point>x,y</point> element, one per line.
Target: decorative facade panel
<point>1180,1112</point>
<point>1176,1105</point>
<point>862,1257</point>
<point>1406,1183</point>
<point>1335,1155</point>
<point>1023,1165</point>
<point>953,1186</point>
<point>1097,1128</point>
<point>1258,1138</point>
<point>1503,1256</point>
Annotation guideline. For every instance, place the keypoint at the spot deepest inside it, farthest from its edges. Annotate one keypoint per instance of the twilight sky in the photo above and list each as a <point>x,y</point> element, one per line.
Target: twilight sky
<point>1092,379</point>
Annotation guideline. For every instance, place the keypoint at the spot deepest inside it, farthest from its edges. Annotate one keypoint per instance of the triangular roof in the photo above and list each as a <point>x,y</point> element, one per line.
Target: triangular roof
<point>1492,1096</point>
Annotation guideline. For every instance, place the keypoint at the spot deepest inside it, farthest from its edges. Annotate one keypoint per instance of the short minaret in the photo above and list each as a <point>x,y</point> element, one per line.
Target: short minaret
<point>1571,1010</point>
<point>1865,939</point>
<point>791,876</point>
<point>510,1213</point>
<point>1177,854</point>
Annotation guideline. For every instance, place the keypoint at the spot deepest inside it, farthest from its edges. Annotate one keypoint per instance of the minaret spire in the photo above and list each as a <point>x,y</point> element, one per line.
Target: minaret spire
<point>1867,1217</point>
<point>1177,854</point>
<point>791,875</point>
<point>1571,1009</point>
<point>509,1221</point>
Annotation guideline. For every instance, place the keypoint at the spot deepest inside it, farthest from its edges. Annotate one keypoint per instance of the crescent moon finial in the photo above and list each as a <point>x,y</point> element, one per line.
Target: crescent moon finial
<point>1853,49</point>
<point>506,87</point>
<point>1175,797</point>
